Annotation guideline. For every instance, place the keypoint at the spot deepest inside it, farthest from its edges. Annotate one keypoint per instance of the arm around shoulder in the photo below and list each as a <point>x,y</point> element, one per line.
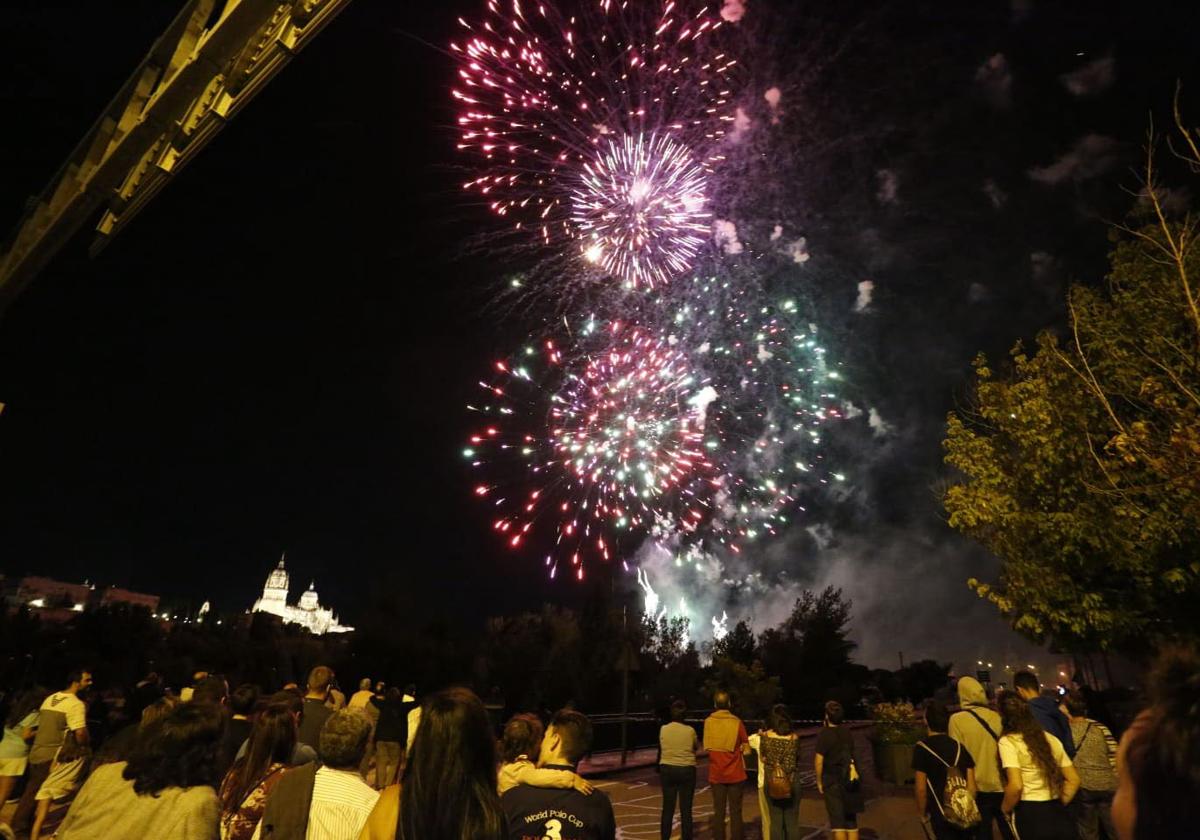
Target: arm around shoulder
<point>543,778</point>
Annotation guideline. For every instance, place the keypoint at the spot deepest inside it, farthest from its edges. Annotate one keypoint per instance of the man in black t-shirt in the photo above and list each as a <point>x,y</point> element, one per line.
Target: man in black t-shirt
<point>560,813</point>
<point>932,757</point>
<point>315,711</point>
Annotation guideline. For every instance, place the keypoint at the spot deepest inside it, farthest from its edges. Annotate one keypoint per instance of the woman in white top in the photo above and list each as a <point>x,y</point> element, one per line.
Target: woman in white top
<point>677,746</point>
<point>1039,778</point>
<point>778,749</point>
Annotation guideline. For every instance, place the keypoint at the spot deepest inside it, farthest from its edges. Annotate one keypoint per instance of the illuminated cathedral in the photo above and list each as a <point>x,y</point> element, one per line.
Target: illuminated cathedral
<point>308,613</point>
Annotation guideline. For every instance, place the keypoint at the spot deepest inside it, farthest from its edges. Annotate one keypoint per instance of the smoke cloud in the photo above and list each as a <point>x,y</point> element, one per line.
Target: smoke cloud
<point>1091,79</point>
<point>866,291</point>
<point>733,10</point>
<point>725,234</point>
<point>1092,155</point>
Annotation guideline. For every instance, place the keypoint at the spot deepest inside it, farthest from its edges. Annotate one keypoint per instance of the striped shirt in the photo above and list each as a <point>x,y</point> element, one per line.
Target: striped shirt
<point>341,803</point>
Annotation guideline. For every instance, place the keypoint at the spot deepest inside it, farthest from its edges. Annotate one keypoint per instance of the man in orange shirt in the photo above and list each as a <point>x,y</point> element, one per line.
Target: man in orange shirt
<point>726,742</point>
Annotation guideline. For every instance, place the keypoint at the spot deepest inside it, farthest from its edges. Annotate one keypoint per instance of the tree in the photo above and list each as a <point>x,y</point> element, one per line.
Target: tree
<point>810,650</point>
<point>739,645</point>
<point>922,679</point>
<point>1081,466</point>
<point>753,693</point>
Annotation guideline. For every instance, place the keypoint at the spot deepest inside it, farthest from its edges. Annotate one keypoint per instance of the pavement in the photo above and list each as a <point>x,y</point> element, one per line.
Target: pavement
<point>636,794</point>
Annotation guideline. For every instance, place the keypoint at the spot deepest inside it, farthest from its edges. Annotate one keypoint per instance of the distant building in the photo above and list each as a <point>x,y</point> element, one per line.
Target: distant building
<point>47,593</point>
<point>116,595</point>
<point>308,613</point>
<point>56,600</point>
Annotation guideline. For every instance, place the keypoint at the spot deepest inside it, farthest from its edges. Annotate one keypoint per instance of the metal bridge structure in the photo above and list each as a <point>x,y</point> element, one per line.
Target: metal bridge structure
<point>208,64</point>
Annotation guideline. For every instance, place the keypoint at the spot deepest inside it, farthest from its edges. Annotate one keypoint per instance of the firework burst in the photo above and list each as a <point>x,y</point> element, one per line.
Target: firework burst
<point>776,394</point>
<point>587,447</point>
<point>593,130</point>
<point>639,209</point>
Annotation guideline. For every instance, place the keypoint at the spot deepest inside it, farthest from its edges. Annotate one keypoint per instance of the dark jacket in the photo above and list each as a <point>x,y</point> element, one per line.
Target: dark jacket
<point>1046,710</point>
<point>286,814</point>
<point>534,813</point>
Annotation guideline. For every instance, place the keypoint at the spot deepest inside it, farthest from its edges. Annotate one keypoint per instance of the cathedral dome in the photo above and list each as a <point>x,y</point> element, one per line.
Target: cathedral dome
<point>278,579</point>
<point>309,600</point>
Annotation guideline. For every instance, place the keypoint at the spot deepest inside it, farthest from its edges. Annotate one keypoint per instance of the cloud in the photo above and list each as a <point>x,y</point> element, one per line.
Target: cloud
<point>995,79</point>
<point>1042,265</point>
<point>777,233</point>
<point>1092,155</point>
<point>1091,79</point>
<point>866,290</point>
<point>995,195</point>
<point>889,183</point>
<point>733,10</point>
<point>1174,201</point>
<point>726,236</point>
<point>881,427</point>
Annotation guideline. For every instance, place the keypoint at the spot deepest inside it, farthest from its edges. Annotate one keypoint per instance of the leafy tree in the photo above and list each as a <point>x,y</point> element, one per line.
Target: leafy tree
<point>752,691</point>
<point>810,650</point>
<point>1081,465</point>
<point>739,645</point>
<point>922,679</point>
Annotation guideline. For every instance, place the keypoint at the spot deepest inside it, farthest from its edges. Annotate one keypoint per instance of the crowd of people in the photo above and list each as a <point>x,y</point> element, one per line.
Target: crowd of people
<point>1035,767</point>
<point>304,763</point>
<point>308,763</point>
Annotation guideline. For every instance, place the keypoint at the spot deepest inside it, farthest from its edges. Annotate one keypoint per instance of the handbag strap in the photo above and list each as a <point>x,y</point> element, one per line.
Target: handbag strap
<point>1083,737</point>
<point>984,724</point>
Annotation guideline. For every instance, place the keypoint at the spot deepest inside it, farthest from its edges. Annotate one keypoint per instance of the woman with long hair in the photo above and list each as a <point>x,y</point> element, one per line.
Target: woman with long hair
<point>519,746</point>
<point>448,790</point>
<point>778,749</point>
<point>1039,779</point>
<point>252,777</point>
<point>1158,789</point>
<point>166,789</point>
<point>20,724</point>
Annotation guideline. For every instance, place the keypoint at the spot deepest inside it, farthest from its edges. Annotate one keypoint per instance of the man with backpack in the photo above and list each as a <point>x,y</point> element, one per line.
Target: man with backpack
<point>944,780</point>
<point>977,728</point>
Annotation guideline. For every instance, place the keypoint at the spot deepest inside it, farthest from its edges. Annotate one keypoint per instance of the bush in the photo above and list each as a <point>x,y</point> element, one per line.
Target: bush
<point>896,723</point>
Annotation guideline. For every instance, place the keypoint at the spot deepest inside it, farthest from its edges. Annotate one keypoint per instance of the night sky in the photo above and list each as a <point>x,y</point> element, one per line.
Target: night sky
<point>275,355</point>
